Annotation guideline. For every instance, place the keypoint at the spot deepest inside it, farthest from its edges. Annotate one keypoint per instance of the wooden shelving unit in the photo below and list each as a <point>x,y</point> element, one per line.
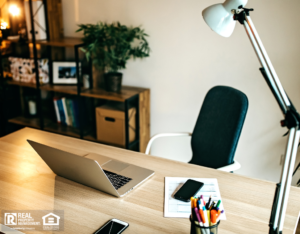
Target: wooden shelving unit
<point>141,98</point>
<point>63,42</point>
<point>126,93</point>
<point>17,83</point>
<point>50,126</point>
<point>32,122</point>
<point>67,89</point>
<point>141,95</point>
<point>129,96</point>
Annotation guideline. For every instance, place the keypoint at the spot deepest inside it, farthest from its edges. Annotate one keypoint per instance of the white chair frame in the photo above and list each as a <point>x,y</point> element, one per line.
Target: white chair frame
<point>232,167</point>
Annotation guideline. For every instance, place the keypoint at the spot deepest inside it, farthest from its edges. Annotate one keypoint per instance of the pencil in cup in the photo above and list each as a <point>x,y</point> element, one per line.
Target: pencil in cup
<point>203,220</point>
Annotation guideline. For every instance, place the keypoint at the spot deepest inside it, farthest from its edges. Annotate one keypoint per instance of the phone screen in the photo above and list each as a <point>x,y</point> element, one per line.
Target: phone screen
<point>111,227</point>
<point>188,190</point>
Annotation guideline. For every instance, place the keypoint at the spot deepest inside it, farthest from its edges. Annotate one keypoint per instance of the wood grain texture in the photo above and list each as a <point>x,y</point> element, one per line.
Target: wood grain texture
<point>18,83</point>
<point>144,109</point>
<point>125,93</point>
<point>69,89</point>
<point>55,20</point>
<point>26,182</point>
<point>55,28</point>
<point>62,42</point>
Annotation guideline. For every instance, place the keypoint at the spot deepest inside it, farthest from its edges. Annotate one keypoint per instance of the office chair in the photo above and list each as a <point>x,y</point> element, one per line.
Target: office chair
<point>217,130</point>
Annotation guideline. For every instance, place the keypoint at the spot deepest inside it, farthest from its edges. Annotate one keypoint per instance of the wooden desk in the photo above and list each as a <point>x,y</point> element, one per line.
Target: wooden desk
<point>27,183</point>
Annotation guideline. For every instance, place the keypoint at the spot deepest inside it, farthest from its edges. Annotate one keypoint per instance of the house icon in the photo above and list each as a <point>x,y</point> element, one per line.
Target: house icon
<point>51,219</point>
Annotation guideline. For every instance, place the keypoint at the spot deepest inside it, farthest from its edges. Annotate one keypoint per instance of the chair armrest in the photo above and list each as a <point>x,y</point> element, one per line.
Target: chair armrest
<point>232,167</point>
<point>165,135</point>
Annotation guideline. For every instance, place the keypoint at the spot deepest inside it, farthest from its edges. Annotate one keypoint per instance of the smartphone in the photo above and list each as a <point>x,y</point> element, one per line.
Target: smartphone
<point>113,226</point>
<point>188,190</point>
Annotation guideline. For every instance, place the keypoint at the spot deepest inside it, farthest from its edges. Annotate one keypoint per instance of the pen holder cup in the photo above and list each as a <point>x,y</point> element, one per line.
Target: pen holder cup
<point>197,229</point>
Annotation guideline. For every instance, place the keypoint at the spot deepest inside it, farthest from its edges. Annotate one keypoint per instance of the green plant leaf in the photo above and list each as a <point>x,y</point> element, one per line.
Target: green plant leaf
<point>110,46</point>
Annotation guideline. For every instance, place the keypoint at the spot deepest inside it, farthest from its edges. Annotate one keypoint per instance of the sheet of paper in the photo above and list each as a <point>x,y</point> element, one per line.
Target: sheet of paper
<point>179,209</point>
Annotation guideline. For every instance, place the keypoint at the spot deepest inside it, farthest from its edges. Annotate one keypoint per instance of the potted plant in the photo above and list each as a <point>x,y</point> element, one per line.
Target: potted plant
<point>110,46</point>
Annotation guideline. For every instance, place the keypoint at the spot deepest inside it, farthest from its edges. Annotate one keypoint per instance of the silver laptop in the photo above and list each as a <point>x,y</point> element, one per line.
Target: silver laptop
<point>94,170</point>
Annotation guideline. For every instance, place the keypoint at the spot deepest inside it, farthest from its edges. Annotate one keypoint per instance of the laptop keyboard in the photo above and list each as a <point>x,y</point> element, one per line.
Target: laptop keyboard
<point>117,180</point>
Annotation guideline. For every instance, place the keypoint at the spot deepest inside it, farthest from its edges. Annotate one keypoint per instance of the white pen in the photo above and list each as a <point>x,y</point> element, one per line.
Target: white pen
<point>206,224</point>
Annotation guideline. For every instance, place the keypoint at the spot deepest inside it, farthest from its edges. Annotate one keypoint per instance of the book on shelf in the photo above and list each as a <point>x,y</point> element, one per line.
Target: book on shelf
<point>56,110</point>
<point>61,111</point>
<point>63,100</point>
<point>70,112</point>
<point>66,110</point>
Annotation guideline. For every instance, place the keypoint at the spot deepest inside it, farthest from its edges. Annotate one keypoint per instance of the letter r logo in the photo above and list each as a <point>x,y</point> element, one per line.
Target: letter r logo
<point>10,219</point>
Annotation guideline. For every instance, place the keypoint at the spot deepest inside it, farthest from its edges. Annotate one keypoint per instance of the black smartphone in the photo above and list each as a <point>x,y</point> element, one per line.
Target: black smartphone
<point>113,226</point>
<point>188,190</point>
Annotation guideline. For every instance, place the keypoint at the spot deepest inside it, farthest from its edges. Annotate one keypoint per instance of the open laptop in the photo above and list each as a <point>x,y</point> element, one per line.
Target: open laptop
<point>94,170</point>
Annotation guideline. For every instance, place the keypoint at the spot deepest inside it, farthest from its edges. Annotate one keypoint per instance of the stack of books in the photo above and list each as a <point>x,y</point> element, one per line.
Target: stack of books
<point>66,110</point>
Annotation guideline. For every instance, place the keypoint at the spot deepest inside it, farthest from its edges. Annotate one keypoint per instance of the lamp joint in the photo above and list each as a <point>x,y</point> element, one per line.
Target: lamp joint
<point>246,10</point>
<point>241,13</point>
<point>291,120</point>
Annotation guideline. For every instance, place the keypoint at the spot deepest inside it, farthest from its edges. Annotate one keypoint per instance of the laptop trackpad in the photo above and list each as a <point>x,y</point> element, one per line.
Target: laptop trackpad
<point>115,165</point>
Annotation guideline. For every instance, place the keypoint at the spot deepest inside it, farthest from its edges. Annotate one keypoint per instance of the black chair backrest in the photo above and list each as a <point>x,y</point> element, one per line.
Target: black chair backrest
<point>218,127</point>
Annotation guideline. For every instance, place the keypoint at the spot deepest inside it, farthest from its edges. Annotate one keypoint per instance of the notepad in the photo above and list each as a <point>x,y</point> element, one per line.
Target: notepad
<point>175,208</point>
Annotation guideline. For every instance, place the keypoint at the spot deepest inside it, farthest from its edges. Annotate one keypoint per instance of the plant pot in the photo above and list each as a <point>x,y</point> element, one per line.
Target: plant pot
<point>113,81</point>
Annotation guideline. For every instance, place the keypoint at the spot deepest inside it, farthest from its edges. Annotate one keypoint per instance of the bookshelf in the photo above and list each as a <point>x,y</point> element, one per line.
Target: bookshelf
<point>130,96</point>
<point>12,101</point>
<point>141,99</point>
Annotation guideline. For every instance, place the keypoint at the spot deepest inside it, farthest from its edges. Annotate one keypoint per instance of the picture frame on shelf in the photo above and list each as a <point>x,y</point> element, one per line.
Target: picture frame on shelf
<point>23,70</point>
<point>65,72</point>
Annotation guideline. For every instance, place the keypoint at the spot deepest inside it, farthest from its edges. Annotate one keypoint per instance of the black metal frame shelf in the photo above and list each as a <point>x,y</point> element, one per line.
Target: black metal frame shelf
<point>42,122</point>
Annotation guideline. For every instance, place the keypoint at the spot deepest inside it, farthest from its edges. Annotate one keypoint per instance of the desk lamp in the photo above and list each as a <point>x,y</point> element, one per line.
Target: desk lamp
<point>222,18</point>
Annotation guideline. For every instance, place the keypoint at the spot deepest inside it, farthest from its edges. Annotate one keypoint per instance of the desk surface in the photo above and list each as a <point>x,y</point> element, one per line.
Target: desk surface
<point>27,183</point>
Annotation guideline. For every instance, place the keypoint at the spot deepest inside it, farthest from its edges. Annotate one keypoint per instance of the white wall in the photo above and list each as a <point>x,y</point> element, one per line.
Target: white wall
<point>188,59</point>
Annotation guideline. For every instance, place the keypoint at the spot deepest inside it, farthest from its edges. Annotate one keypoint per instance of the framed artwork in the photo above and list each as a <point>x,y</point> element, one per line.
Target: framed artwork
<point>64,72</point>
<point>23,70</point>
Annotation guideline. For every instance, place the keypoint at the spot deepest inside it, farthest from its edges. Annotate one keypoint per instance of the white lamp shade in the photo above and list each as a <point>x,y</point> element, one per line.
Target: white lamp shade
<point>219,17</point>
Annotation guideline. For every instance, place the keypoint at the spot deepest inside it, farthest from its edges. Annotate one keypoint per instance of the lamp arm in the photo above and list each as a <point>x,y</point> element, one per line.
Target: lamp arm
<point>291,121</point>
<point>270,67</point>
<point>274,85</point>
